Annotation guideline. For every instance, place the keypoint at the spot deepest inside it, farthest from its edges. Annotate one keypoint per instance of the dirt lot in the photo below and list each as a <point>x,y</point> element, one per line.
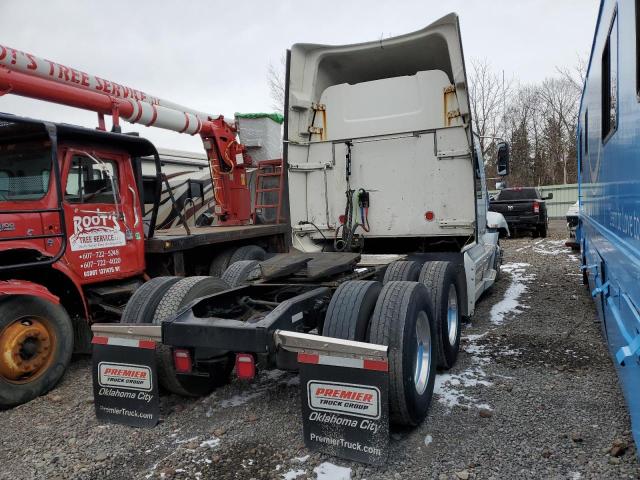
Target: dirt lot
<point>533,395</point>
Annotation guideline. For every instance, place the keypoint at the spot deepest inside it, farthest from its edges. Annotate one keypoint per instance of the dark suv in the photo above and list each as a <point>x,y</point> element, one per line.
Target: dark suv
<point>523,208</point>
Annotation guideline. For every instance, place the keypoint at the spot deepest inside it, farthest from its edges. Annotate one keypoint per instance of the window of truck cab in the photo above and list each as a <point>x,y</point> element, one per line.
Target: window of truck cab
<point>25,171</point>
<point>91,179</point>
<point>609,87</point>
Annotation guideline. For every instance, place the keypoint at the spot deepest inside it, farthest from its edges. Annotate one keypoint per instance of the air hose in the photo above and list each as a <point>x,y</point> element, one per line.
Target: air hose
<point>363,203</point>
<point>346,232</point>
<point>347,228</point>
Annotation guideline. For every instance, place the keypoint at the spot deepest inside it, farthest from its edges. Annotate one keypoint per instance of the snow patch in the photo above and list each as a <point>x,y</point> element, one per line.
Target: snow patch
<point>187,440</point>
<point>427,440</point>
<point>510,303</point>
<point>293,474</point>
<point>291,382</point>
<point>329,471</point>
<point>302,459</point>
<point>211,443</point>
<point>510,352</point>
<point>449,387</point>
<point>271,375</point>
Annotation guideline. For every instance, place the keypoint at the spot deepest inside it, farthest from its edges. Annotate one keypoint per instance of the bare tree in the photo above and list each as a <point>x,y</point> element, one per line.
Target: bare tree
<point>276,80</point>
<point>561,98</point>
<point>576,75</point>
<point>488,94</point>
<point>521,125</point>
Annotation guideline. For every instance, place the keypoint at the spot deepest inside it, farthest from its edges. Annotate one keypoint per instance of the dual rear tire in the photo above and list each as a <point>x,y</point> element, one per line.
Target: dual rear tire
<point>416,313</point>
<point>400,316</point>
<point>160,301</point>
<point>229,256</point>
<point>440,279</point>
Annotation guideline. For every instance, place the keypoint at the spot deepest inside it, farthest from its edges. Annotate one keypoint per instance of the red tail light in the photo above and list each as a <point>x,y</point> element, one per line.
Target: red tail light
<point>182,361</point>
<point>536,207</point>
<point>245,366</point>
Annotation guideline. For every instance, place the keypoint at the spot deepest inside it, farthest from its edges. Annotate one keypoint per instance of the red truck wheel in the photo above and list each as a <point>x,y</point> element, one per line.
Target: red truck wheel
<point>36,342</point>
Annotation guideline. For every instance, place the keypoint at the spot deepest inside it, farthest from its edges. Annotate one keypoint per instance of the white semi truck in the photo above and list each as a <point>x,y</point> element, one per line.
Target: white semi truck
<point>390,248</point>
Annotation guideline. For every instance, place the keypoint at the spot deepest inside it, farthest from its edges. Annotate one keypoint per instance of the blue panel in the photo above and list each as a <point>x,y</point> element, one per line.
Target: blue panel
<point>609,178</point>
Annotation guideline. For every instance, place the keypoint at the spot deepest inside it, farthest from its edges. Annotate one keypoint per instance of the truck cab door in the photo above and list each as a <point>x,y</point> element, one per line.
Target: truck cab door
<point>103,218</point>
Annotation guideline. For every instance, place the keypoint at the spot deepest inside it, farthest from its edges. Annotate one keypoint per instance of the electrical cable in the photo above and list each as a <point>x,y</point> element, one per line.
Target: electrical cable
<point>306,222</point>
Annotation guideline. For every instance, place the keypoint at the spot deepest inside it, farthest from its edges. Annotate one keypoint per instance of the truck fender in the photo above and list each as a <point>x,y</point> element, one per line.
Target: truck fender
<point>25,287</point>
<point>67,272</point>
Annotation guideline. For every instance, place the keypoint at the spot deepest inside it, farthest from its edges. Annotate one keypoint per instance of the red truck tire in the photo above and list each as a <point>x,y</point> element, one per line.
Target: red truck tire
<point>36,342</point>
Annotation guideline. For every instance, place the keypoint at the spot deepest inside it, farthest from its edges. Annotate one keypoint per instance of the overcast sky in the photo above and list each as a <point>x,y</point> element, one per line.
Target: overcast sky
<point>213,56</point>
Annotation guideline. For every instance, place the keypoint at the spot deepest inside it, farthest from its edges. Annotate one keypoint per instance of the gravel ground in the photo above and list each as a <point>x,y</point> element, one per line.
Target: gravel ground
<point>533,395</point>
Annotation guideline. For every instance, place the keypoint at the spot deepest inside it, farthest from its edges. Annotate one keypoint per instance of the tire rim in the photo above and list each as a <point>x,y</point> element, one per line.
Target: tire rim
<point>422,369</point>
<point>453,320</point>
<point>26,349</point>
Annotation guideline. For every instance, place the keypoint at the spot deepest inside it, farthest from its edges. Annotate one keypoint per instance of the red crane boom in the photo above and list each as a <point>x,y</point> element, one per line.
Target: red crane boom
<point>30,76</point>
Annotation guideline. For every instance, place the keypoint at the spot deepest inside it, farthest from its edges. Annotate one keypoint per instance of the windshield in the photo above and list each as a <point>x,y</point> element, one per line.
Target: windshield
<point>25,169</point>
<point>517,194</point>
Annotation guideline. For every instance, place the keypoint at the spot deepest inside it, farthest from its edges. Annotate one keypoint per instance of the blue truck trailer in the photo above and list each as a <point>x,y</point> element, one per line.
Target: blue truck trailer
<point>609,178</point>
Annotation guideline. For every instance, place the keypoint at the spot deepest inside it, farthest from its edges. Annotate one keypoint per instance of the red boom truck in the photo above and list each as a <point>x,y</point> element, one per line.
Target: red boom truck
<point>75,239</point>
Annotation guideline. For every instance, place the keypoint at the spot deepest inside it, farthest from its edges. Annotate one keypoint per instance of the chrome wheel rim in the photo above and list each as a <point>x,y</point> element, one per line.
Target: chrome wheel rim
<point>422,366</point>
<point>453,320</point>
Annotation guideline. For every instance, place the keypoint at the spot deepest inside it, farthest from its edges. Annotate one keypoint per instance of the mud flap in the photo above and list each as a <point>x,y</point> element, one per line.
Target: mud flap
<point>125,381</point>
<point>345,406</point>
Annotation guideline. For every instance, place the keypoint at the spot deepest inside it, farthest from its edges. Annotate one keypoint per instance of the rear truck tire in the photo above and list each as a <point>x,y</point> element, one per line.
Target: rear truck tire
<point>542,231</point>
<point>178,295</point>
<point>402,271</point>
<point>220,262</point>
<point>497,262</point>
<point>403,320</point>
<point>142,305</point>
<point>36,343</point>
<point>440,279</point>
<point>248,252</point>
<point>241,272</point>
<point>350,310</point>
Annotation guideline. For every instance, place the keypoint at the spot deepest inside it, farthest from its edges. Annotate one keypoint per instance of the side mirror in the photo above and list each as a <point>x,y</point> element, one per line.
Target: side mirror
<point>503,159</point>
<point>549,196</point>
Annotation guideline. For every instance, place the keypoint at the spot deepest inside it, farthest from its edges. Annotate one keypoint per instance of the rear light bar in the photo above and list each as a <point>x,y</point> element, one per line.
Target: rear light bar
<point>245,366</point>
<point>182,360</point>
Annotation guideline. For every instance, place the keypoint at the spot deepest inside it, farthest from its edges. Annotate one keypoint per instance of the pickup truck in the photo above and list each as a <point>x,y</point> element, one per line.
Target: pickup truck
<point>523,208</point>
